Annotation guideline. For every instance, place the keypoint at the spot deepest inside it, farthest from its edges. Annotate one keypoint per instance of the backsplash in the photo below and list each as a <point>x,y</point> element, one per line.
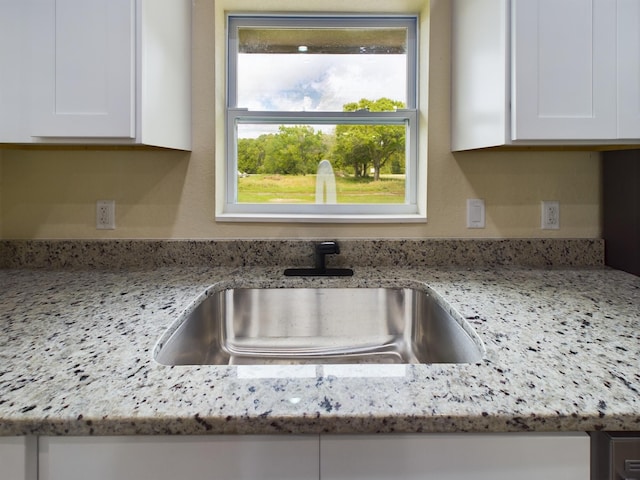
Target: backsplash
<point>113,254</point>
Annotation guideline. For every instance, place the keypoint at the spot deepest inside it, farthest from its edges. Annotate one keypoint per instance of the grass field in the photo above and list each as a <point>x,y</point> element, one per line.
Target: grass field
<point>301,189</point>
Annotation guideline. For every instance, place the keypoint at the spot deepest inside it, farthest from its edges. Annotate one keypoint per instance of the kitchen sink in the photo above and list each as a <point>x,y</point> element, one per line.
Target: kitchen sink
<point>259,326</point>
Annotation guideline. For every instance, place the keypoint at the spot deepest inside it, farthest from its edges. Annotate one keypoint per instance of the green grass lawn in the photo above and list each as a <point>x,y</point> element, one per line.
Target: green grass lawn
<point>301,189</point>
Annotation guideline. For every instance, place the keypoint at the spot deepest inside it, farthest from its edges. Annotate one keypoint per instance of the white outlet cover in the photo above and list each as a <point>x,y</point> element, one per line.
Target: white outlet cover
<point>105,214</point>
<point>550,215</point>
<point>475,213</point>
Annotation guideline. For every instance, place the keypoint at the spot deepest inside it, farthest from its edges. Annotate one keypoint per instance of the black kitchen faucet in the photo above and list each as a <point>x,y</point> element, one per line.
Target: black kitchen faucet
<point>322,249</point>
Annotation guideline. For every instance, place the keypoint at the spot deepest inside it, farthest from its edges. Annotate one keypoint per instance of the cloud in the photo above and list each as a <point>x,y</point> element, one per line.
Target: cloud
<point>317,82</point>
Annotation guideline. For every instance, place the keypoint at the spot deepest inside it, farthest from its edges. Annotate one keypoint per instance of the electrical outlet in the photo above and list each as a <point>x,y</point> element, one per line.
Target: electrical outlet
<point>105,214</point>
<point>550,215</point>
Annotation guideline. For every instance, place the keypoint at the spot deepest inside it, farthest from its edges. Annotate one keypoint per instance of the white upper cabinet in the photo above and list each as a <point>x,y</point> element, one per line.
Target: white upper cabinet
<point>563,70</point>
<point>629,69</point>
<point>97,72</point>
<point>83,66</point>
<point>13,74</point>
<point>545,72</point>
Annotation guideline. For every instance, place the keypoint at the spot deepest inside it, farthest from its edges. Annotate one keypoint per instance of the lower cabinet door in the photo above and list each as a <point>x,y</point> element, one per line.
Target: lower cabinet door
<point>455,457</point>
<point>173,457</point>
<point>17,458</point>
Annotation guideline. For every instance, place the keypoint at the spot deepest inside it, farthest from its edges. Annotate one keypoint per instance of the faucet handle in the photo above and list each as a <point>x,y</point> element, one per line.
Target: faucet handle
<point>327,248</point>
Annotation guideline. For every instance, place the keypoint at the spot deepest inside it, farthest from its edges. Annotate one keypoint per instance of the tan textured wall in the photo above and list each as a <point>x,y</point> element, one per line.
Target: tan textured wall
<point>52,193</point>
<point>1,154</point>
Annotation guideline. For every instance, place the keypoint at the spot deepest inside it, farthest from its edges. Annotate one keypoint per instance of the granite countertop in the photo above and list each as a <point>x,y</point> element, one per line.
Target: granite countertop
<point>562,354</point>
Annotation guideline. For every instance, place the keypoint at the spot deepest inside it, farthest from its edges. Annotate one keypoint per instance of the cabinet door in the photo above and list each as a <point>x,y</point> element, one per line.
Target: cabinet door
<point>628,69</point>
<point>18,458</point>
<point>564,69</point>
<point>13,74</point>
<point>82,68</point>
<point>226,457</point>
<point>455,457</point>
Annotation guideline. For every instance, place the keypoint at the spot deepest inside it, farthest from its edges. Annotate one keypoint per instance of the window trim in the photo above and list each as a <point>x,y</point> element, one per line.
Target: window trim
<point>413,210</point>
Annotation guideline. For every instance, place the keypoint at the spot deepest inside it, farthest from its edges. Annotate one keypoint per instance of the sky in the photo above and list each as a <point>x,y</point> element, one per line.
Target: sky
<point>299,82</point>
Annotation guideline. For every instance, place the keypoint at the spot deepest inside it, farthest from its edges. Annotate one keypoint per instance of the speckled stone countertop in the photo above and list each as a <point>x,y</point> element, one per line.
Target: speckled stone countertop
<point>562,354</point>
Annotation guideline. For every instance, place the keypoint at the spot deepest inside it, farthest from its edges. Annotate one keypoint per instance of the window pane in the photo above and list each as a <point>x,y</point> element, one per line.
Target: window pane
<point>339,163</point>
<point>319,69</point>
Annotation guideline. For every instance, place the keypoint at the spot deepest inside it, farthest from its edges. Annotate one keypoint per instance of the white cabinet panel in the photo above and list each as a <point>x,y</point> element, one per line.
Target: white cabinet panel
<point>564,70</point>
<point>18,458</point>
<point>479,73</point>
<point>529,456</point>
<point>108,72</point>
<point>83,68</point>
<point>628,69</point>
<point>455,457</point>
<point>174,457</point>
<point>13,74</point>
<point>545,73</point>
<point>165,73</point>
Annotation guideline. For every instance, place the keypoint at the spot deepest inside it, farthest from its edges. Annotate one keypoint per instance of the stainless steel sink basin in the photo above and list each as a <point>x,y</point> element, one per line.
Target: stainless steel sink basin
<point>257,326</point>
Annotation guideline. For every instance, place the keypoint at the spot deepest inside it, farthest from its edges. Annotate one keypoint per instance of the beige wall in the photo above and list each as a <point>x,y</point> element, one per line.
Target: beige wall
<point>1,154</point>
<point>52,193</point>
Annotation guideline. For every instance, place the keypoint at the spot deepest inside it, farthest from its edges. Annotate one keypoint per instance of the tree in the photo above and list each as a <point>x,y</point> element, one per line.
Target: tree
<point>350,151</point>
<point>361,146</point>
<point>251,153</point>
<point>295,150</point>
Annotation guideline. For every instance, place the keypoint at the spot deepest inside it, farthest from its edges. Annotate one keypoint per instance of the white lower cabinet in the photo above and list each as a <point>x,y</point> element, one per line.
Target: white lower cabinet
<point>455,457</point>
<point>18,458</point>
<point>225,457</point>
<point>312,457</point>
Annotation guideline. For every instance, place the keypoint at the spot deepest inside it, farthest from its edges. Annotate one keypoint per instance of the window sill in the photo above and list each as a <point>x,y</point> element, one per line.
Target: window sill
<point>320,218</point>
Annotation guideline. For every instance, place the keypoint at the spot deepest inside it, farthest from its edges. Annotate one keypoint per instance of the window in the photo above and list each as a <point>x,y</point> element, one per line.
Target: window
<point>322,118</point>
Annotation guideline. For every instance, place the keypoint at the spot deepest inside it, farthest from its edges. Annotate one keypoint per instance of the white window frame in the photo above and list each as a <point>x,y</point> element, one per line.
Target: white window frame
<point>414,207</point>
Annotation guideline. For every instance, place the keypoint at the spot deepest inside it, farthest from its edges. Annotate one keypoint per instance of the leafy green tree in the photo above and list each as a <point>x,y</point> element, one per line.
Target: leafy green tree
<point>251,153</point>
<point>295,150</point>
<point>349,151</point>
<point>366,146</point>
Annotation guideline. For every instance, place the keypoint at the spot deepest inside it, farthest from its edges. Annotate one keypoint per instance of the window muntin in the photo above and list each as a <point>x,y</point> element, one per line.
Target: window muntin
<point>339,70</point>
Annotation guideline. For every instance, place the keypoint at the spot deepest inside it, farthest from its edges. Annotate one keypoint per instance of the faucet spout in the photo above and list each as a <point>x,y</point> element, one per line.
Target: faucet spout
<point>322,249</point>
